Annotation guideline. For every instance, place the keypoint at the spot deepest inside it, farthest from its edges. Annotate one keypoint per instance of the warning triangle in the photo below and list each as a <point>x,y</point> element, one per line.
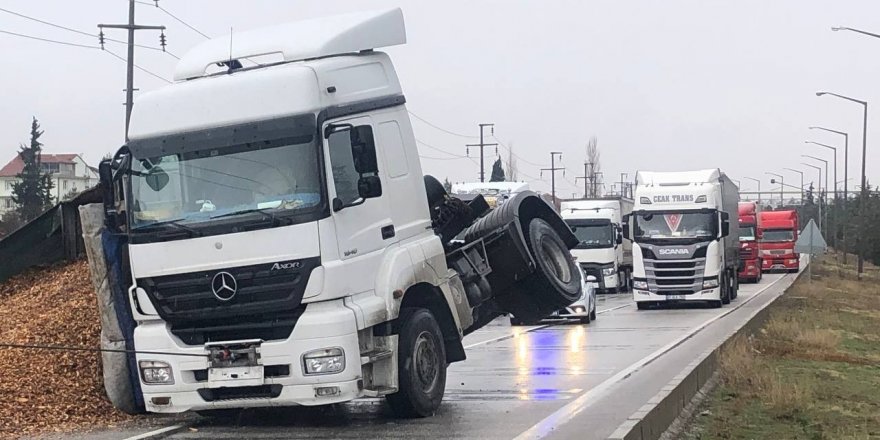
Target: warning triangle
<point>811,240</point>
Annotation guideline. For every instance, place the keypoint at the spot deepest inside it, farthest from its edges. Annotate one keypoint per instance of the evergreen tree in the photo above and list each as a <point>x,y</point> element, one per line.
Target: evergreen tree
<point>32,192</point>
<point>447,185</point>
<point>497,171</point>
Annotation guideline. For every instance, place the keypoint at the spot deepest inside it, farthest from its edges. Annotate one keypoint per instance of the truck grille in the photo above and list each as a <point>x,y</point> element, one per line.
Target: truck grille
<point>266,303</point>
<point>675,277</point>
<point>748,254</point>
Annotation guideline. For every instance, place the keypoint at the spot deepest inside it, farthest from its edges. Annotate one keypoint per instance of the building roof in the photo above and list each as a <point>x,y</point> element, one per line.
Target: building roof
<point>16,165</point>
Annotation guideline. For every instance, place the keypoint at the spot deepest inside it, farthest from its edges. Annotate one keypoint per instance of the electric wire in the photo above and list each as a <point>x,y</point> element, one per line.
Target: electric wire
<point>179,20</point>
<point>58,26</point>
<point>47,40</point>
<point>139,67</point>
<point>441,128</point>
<point>425,144</point>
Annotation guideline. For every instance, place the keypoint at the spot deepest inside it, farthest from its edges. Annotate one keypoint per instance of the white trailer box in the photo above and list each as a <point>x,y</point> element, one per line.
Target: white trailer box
<point>684,248</point>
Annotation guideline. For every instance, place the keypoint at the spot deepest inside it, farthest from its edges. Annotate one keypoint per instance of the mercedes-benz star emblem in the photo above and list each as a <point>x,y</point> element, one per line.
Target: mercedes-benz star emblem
<point>224,286</point>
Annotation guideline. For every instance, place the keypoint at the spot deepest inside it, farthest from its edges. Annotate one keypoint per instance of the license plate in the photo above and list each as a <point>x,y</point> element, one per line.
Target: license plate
<point>674,297</point>
<point>239,376</point>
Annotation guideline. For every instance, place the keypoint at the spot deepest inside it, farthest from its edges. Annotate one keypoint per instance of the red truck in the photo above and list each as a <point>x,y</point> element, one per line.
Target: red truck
<point>750,233</point>
<point>780,232</point>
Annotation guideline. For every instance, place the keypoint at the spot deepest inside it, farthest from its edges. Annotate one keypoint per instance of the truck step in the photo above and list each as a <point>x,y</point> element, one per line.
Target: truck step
<point>375,356</point>
<point>379,391</point>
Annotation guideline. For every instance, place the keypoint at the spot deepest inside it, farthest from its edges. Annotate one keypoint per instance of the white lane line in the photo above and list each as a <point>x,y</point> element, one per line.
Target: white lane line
<point>568,412</point>
<point>158,432</point>
<point>531,329</point>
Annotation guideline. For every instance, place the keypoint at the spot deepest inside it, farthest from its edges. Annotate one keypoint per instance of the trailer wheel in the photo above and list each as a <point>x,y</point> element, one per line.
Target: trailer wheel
<point>421,365</point>
<point>554,261</point>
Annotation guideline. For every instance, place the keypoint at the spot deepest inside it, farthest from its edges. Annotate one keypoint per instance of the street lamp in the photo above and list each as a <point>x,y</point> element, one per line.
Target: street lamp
<point>825,217</point>
<point>758,181</point>
<point>864,193</point>
<point>819,184</point>
<point>826,171</point>
<point>781,187</point>
<point>845,181</point>
<point>802,181</point>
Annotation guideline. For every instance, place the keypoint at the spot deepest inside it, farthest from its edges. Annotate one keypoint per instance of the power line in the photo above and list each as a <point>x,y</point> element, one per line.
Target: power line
<point>191,27</point>
<point>441,128</point>
<point>139,67</point>
<point>460,156</point>
<point>443,158</point>
<point>58,26</point>
<point>50,41</point>
<point>514,154</point>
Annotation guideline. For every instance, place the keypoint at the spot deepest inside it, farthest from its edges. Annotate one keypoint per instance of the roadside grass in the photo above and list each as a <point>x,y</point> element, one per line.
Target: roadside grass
<point>812,371</point>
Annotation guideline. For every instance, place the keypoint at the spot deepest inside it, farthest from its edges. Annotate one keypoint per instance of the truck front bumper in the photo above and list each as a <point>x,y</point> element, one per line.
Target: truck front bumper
<point>788,262</point>
<point>702,295</point>
<point>322,326</point>
<point>751,269</point>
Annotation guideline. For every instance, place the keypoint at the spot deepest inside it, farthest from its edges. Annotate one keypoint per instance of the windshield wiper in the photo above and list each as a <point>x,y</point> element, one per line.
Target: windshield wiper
<point>276,221</point>
<point>174,223</point>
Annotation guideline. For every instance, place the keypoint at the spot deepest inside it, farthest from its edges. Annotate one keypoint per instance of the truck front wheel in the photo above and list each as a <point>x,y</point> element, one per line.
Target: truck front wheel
<point>421,365</point>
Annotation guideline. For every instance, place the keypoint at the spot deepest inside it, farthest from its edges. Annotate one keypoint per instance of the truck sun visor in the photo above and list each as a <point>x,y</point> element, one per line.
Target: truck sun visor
<point>303,127</point>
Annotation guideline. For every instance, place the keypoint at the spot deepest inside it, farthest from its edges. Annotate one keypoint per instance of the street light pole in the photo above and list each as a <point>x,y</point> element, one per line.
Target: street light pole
<point>845,185</point>
<point>802,181</point>
<point>819,184</point>
<point>825,218</point>
<point>758,181</point>
<point>781,187</point>
<point>826,170</point>
<point>864,193</point>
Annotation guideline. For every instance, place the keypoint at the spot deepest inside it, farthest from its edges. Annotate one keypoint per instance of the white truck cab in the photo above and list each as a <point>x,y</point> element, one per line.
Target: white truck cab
<point>683,246</point>
<point>283,245</point>
<point>601,251</point>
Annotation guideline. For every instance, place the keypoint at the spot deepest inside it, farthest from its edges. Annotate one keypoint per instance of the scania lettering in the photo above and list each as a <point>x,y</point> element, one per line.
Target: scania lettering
<point>683,246</point>
<point>601,250</point>
<point>280,229</point>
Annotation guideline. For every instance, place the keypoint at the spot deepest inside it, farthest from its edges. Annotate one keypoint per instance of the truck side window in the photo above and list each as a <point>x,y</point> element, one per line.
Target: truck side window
<point>345,176</point>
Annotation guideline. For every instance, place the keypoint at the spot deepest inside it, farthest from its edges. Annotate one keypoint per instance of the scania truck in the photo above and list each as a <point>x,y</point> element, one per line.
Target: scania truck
<point>601,250</point>
<point>284,247</point>
<point>777,245</point>
<point>683,246</point>
<point>750,232</point>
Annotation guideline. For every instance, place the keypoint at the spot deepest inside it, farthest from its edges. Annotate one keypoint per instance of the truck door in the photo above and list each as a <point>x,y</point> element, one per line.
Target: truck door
<point>362,219</point>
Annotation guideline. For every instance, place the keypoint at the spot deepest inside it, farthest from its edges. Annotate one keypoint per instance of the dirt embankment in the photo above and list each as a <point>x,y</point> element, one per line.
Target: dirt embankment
<point>51,391</point>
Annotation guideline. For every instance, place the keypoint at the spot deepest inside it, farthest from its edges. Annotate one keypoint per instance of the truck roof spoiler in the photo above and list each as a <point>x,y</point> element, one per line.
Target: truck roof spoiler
<point>302,40</point>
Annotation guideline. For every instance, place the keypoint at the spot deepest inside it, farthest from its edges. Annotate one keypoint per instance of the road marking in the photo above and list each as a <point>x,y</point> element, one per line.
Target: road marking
<point>531,329</point>
<point>572,409</point>
<point>158,432</point>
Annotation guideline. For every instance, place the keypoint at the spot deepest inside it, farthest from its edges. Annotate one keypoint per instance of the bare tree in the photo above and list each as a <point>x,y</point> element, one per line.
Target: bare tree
<point>595,167</point>
<point>512,173</point>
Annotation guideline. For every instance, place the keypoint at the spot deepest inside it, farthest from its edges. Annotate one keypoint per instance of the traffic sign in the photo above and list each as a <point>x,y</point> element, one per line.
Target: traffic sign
<point>811,240</point>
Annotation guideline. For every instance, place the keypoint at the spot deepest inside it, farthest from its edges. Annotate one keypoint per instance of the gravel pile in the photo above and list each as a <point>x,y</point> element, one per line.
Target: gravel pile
<point>43,391</point>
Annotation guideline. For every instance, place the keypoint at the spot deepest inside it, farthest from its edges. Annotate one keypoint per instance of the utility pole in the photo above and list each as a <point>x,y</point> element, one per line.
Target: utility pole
<point>483,145</point>
<point>552,171</point>
<point>131,27</point>
<point>585,178</point>
<point>623,185</point>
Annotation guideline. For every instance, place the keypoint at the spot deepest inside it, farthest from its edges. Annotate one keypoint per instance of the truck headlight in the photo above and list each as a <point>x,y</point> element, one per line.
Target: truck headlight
<point>156,373</point>
<point>324,361</point>
<point>640,285</point>
<point>793,261</point>
<point>710,283</point>
<point>608,271</point>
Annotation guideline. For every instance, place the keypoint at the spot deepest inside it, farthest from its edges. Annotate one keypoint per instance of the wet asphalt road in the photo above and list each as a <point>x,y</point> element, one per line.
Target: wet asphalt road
<point>562,380</point>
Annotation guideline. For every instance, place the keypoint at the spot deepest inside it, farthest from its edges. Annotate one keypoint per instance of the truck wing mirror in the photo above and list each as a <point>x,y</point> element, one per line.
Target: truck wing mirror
<point>369,187</point>
<point>625,227</point>
<point>363,150</point>
<point>725,225</point>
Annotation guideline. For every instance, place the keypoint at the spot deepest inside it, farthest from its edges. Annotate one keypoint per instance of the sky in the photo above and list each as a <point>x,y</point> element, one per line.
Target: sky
<point>663,85</point>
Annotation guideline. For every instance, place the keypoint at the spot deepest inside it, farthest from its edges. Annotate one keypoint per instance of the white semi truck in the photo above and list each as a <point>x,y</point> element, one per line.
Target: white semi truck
<point>601,250</point>
<point>283,245</point>
<point>684,248</point>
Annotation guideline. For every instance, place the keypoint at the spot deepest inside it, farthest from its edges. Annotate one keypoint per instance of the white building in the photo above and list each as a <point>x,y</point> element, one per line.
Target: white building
<point>70,173</point>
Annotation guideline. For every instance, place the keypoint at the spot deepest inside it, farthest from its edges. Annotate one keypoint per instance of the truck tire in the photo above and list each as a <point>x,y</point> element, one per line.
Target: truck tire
<point>421,365</point>
<point>725,288</point>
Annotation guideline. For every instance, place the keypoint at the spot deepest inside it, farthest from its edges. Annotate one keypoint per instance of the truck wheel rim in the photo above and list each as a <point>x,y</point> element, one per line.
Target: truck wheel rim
<point>557,260</point>
<point>426,361</point>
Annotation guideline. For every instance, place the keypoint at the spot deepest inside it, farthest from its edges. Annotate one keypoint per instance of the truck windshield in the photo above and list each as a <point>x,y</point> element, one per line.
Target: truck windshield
<point>274,179</point>
<point>746,233</point>
<point>592,235</point>
<point>772,235</point>
<point>675,226</point>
